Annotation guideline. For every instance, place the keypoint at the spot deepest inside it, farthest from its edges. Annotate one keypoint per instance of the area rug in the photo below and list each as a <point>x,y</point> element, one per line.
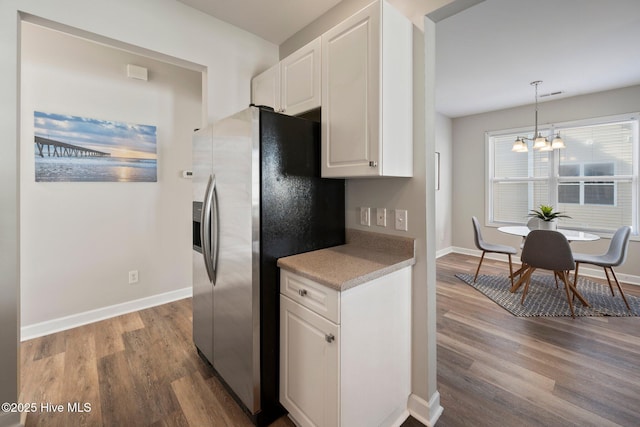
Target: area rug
<point>544,299</point>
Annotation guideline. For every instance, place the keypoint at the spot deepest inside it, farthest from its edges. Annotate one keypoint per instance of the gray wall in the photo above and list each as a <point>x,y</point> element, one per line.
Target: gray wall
<point>9,213</point>
<point>469,174</point>
<point>336,14</point>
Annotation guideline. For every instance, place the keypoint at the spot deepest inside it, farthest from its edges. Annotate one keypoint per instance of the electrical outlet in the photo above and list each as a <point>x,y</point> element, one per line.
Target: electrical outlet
<point>381,217</point>
<point>365,216</point>
<point>133,277</point>
<point>401,219</point>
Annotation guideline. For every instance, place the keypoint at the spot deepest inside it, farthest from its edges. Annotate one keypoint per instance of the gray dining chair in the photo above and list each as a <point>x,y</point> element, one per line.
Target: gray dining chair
<point>532,224</point>
<point>491,248</point>
<point>549,250</point>
<point>614,257</point>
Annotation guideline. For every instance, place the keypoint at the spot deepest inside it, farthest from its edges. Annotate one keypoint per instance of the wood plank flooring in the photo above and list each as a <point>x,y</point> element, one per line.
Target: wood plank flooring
<point>494,369</point>
<point>140,369</point>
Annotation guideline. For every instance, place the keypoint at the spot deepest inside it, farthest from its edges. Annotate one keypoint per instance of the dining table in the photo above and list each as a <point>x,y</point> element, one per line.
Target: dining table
<point>523,231</point>
<point>571,235</point>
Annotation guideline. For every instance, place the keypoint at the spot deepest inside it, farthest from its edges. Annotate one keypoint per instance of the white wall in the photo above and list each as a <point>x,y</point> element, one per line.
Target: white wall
<point>469,160</point>
<point>230,55</point>
<point>79,240</point>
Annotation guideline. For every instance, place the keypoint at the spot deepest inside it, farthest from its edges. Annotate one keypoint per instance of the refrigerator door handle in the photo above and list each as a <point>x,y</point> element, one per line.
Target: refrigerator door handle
<point>205,228</point>
<point>215,238</point>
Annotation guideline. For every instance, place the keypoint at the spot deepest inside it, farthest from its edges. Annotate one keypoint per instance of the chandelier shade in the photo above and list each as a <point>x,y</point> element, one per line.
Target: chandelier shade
<point>557,142</point>
<point>520,146</point>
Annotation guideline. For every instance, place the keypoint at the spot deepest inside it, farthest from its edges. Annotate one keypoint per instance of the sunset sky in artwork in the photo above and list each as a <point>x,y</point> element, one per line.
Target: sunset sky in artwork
<point>119,139</point>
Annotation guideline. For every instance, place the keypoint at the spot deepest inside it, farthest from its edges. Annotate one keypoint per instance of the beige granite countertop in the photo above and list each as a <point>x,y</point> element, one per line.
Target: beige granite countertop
<point>365,256</point>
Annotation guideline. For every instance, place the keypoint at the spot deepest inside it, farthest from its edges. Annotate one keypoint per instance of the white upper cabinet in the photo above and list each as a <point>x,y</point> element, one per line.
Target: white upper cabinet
<point>300,79</point>
<point>367,100</point>
<point>292,86</point>
<point>265,88</point>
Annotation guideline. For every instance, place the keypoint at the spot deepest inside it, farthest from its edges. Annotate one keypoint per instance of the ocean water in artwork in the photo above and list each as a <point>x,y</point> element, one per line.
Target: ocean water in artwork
<point>94,169</point>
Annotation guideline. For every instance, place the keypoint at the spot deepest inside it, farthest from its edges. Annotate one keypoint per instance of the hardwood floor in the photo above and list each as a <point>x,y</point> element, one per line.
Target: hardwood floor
<point>140,369</point>
<point>494,369</point>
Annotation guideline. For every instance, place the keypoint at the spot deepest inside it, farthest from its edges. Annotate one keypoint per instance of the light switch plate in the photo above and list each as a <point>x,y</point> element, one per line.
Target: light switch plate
<point>381,217</point>
<point>365,216</point>
<point>401,219</point>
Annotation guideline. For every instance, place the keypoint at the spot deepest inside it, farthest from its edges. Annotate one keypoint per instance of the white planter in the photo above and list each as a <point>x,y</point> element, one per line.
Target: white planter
<point>548,225</point>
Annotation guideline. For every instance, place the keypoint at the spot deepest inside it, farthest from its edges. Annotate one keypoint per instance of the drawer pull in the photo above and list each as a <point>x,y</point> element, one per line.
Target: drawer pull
<point>373,164</point>
<point>329,338</point>
<point>302,292</point>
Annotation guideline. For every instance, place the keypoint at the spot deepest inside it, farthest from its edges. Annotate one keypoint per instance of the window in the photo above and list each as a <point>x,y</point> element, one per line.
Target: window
<point>590,193</point>
<point>593,180</point>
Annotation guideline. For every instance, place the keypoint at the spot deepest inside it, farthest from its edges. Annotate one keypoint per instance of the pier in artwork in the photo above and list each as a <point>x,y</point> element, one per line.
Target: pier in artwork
<point>62,149</point>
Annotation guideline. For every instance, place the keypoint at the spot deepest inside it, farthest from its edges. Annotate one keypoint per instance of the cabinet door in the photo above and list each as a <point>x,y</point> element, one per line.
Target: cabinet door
<point>309,365</point>
<point>265,88</point>
<point>300,79</point>
<point>350,96</point>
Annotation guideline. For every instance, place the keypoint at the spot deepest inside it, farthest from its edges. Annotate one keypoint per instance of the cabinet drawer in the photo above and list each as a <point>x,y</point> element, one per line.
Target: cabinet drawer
<point>316,297</point>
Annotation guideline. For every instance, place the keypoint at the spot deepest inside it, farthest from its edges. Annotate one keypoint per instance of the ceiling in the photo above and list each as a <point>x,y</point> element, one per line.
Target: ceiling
<point>487,55</point>
<point>274,21</point>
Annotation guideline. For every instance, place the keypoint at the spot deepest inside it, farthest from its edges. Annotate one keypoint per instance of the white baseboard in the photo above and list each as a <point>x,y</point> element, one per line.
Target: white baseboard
<point>63,323</point>
<point>443,252</point>
<point>584,270</point>
<point>425,412</point>
<point>397,419</point>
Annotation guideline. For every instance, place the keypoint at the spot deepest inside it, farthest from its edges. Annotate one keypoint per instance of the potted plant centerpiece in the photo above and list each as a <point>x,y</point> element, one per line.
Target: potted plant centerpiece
<point>548,218</point>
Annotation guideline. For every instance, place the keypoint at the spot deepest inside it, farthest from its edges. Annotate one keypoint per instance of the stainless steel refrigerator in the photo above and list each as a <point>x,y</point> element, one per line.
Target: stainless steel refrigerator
<point>258,196</point>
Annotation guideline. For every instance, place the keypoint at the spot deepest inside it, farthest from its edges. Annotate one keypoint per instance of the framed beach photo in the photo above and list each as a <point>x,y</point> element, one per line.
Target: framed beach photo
<point>71,148</point>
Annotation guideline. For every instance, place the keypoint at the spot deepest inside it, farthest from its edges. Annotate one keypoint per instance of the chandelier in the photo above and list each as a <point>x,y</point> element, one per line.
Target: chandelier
<point>540,142</point>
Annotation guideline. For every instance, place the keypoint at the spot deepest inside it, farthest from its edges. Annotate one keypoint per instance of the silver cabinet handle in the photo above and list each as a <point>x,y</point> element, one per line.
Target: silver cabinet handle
<point>302,292</point>
<point>329,338</point>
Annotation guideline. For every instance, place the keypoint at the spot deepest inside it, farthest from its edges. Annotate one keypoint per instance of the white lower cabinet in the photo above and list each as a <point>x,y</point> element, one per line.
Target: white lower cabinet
<point>345,357</point>
<point>309,351</point>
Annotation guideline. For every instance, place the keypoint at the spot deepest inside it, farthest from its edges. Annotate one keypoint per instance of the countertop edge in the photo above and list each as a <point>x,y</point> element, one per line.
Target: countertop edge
<point>348,284</point>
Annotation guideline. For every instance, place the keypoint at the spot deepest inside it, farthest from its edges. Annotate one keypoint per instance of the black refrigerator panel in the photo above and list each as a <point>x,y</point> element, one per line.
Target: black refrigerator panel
<point>300,212</point>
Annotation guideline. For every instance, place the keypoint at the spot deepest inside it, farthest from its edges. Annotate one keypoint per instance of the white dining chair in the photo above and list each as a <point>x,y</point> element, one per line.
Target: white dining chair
<point>491,248</point>
<point>614,257</point>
